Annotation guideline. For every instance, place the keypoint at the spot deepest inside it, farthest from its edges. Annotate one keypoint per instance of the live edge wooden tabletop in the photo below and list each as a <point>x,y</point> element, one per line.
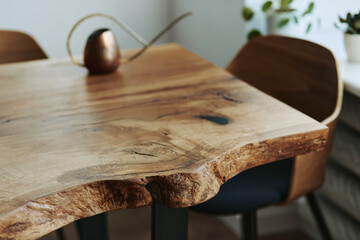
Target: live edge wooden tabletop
<point>169,127</point>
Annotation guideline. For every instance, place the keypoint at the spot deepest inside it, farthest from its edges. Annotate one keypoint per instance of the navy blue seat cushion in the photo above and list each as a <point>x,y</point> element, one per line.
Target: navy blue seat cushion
<point>252,189</point>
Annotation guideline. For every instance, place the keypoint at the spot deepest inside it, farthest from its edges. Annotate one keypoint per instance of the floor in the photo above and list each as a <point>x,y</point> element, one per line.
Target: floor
<point>134,224</point>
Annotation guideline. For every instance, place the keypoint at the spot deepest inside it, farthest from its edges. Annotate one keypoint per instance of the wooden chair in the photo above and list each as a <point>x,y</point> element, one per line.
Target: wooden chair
<point>18,47</point>
<point>304,75</point>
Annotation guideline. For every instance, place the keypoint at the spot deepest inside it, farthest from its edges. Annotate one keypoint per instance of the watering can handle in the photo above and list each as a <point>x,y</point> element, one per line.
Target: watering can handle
<point>132,33</point>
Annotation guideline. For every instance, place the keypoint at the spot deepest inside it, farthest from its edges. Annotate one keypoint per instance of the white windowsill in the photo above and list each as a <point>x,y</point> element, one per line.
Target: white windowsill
<point>350,72</point>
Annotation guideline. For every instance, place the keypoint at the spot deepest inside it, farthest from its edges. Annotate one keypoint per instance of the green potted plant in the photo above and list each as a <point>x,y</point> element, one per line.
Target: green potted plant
<point>351,35</point>
<point>281,15</point>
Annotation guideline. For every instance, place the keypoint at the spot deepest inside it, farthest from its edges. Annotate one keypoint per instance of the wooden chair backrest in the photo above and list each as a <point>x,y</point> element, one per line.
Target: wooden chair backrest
<point>303,75</point>
<point>18,47</point>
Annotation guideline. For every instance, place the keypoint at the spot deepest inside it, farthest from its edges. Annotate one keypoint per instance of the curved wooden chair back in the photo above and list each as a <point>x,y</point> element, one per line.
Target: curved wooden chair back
<point>303,75</point>
<point>18,47</point>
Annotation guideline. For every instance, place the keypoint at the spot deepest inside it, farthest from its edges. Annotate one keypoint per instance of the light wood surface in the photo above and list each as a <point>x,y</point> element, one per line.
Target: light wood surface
<point>17,46</point>
<point>169,126</point>
<point>305,76</point>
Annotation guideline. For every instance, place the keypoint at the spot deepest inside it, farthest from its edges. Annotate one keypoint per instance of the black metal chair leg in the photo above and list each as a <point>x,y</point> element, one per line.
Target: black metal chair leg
<point>169,223</point>
<point>318,216</point>
<point>93,228</point>
<point>60,234</point>
<point>250,225</point>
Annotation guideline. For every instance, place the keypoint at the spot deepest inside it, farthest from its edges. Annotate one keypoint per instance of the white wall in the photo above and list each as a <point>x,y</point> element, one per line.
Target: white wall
<point>215,32</point>
<point>50,21</point>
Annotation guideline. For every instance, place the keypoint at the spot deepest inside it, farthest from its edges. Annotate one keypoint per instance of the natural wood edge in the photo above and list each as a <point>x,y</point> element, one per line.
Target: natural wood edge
<point>48,213</point>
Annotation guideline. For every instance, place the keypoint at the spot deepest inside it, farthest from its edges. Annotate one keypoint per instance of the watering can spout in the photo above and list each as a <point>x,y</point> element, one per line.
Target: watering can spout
<point>102,53</point>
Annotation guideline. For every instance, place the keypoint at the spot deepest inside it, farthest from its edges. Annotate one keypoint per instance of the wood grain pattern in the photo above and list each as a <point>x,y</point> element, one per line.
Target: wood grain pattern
<point>169,127</point>
<point>305,76</point>
<point>18,46</point>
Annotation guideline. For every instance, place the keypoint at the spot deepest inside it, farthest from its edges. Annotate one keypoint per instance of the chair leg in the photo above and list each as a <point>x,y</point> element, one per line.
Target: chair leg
<point>93,228</point>
<point>318,216</point>
<point>60,234</point>
<point>249,225</point>
<point>168,223</point>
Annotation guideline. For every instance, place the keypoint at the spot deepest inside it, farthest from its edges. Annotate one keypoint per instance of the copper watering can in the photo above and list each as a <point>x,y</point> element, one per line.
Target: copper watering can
<point>102,53</point>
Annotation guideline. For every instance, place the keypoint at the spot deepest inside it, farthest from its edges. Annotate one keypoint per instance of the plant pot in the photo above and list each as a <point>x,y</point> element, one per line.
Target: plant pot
<point>352,46</point>
<point>273,20</point>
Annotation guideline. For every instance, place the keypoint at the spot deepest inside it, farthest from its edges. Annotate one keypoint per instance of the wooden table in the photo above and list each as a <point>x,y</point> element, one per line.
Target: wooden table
<point>169,127</point>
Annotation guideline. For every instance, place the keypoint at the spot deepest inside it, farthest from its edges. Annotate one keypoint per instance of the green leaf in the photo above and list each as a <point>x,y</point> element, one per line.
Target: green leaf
<point>283,22</point>
<point>310,9</point>
<point>267,6</point>
<point>351,30</point>
<point>247,13</point>
<point>357,24</point>
<point>308,28</point>
<point>253,33</point>
<point>342,20</point>
<point>296,20</point>
<point>348,19</point>
<point>285,4</point>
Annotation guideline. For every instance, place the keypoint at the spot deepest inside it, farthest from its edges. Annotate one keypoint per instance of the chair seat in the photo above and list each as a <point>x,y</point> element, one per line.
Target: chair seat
<point>252,189</point>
